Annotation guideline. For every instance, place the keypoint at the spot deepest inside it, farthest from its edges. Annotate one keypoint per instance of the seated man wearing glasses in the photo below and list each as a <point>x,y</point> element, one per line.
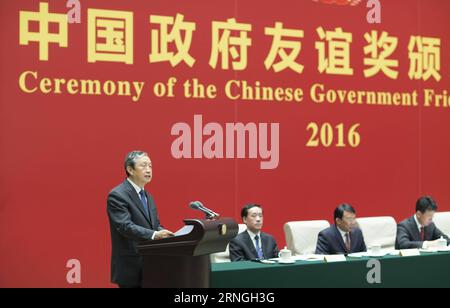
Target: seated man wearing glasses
<point>344,236</point>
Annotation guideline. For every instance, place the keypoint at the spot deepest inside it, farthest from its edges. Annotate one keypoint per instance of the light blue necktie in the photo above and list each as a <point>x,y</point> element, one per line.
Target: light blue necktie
<point>144,203</point>
<point>258,249</point>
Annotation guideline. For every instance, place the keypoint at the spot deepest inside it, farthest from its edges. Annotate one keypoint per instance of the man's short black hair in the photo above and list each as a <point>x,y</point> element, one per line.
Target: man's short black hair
<point>344,207</point>
<point>426,203</point>
<point>130,159</point>
<point>244,211</point>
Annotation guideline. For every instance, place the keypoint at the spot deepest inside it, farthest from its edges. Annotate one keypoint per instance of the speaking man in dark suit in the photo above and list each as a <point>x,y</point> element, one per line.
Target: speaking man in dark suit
<point>252,243</point>
<point>419,231</point>
<point>132,218</point>
<point>344,236</point>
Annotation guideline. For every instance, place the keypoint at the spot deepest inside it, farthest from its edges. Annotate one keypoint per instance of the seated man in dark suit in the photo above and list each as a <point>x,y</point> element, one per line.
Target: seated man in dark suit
<point>419,231</point>
<point>252,243</point>
<point>343,237</point>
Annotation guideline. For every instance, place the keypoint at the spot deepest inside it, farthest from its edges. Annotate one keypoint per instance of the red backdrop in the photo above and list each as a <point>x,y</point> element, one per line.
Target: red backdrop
<point>61,154</point>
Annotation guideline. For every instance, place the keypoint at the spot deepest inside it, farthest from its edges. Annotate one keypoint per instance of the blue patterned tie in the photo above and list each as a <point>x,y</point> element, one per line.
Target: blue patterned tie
<point>258,249</point>
<point>144,203</point>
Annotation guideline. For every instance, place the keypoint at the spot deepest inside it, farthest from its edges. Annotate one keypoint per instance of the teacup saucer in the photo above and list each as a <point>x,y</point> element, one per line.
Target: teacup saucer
<point>376,254</point>
<point>286,261</point>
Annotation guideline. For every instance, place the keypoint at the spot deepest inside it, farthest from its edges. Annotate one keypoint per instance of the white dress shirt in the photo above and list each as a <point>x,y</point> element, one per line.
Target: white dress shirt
<point>419,227</point>
<point>138,190</point>
<point>343,233</point>
<point>135,186</point>
<point>252,236</point>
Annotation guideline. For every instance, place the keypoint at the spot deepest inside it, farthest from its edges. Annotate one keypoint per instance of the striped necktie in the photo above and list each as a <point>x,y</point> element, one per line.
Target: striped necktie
<point>258,249</point>
<point>347,241</point>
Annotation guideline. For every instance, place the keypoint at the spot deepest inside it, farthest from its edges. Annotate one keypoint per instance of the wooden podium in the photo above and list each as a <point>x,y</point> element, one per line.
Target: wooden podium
<point>183,261</point>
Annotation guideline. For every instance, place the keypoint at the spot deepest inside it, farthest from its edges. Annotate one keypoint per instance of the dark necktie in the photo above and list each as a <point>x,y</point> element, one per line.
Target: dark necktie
<point>347,241</point>
<point>144,203</point>
<point>258,249</point>
<point>422,233</point>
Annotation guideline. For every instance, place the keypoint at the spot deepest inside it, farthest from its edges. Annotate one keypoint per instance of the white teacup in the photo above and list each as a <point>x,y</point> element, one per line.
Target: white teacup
<point>375,249</point>
<point>441,243</point>
<point>285,254</point>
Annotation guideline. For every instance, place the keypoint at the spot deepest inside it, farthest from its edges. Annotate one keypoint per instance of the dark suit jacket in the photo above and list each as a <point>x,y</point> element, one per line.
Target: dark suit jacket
<point>330,242</point>
<point>408,235</point>
<point>128,226</point>
<point>242,247</point>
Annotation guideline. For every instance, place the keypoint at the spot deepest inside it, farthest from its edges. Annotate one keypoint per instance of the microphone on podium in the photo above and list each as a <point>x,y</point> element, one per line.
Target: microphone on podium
<point>197,205</point>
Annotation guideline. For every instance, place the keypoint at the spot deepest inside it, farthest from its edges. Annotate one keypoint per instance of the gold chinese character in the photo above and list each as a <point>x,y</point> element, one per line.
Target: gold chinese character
<point>161,39</point>
<point>378,60</point>
<point>338,60</point>
<point>279,47</point>
<point>43,37</point>
<point>426,61</point>
<point>225,44</point>
<point>110,36</point>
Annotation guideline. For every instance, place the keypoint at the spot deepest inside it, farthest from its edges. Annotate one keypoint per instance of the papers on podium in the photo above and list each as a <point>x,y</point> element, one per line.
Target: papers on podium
<point>184,230</point>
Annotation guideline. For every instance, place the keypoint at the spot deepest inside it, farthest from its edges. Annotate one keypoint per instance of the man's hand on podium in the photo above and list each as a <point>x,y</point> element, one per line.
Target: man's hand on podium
<point>163,234</point>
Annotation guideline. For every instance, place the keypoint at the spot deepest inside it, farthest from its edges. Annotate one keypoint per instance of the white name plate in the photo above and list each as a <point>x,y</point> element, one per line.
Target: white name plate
<point>409,252</point>
<point>335,258</point>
